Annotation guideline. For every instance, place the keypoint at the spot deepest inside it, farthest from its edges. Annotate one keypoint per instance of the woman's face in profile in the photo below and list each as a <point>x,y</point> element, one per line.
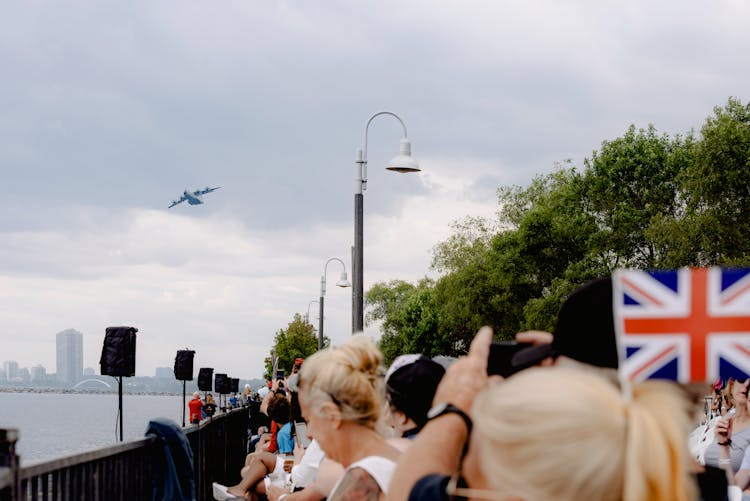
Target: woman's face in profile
<point>739,392</point>
<point>317,425</point>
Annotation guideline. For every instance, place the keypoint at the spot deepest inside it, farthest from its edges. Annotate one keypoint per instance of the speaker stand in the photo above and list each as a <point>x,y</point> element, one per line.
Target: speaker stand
<point>119,392</point>
<point>183,403</point>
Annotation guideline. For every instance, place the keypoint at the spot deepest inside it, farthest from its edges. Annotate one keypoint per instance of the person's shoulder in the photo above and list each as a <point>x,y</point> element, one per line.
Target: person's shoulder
<point>356,484</point>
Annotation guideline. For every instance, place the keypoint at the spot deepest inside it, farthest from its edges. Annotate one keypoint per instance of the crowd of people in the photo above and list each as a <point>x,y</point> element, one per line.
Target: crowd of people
<point>200,409</point>
<point>563,427</point>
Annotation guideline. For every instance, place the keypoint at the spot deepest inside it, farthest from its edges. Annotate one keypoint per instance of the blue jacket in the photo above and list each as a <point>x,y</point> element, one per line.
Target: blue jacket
<point>173,464</point>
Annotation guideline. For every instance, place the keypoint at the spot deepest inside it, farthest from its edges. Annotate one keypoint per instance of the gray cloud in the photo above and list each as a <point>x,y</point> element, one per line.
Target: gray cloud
<point>110,110</point>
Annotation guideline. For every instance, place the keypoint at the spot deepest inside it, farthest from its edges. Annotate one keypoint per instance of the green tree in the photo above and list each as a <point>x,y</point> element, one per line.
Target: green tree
<point>631,183</point>
<point>409,319</point>
<point>297,340</point>
<point>643,200</point>
<point>718,190</point>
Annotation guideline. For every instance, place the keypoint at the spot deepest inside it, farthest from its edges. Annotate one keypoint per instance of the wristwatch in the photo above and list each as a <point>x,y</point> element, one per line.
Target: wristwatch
<point>444,408</point>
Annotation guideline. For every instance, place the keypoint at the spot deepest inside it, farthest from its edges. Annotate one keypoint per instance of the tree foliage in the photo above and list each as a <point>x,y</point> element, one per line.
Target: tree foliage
<point>642,200</point>
<point>297,340</point>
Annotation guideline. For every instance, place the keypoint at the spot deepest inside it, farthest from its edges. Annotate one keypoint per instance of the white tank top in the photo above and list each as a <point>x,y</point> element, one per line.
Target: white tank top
<point>379,468</point>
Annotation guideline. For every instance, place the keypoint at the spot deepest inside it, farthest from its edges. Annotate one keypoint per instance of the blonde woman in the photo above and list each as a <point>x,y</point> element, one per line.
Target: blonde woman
<point>567,434</point>
<point>341,399</point>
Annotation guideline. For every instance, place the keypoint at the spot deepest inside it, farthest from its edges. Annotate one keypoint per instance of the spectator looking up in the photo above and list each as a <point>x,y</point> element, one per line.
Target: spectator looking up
<point>210,406</point>
<point>340,396</point>
<point>410,385</point>
<point>195,405</point>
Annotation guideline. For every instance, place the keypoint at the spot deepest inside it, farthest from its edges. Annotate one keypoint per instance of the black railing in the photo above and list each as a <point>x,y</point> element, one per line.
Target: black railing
<point>124,471</point>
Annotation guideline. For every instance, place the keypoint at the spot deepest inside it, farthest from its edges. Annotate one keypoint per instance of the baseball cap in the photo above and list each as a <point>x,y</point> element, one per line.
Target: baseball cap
<point>585,329</point>
<point>298,361</point>
<point>410,385</point>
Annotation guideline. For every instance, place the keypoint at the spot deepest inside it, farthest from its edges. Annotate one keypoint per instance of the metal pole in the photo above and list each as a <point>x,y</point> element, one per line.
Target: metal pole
<point>357,264</point>
<point>320,324</point>
<point>183,403</point>
<point>120,396</point>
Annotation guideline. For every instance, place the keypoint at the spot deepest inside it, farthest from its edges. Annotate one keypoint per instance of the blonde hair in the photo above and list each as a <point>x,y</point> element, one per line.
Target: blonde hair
<point>727,393</point>
<point>350,376</point>
<point>568,434</point>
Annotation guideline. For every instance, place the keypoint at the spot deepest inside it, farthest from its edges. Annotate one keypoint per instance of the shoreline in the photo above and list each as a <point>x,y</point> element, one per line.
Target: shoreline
<point>103,391</point>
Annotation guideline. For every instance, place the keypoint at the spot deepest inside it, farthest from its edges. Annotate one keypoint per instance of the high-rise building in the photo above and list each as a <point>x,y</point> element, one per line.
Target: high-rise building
<point>69,356</point>
<point>10,367</point>
<point>38,373</point>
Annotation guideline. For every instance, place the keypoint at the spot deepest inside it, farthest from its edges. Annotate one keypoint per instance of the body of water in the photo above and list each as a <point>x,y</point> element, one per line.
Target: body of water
<point>53,424</point>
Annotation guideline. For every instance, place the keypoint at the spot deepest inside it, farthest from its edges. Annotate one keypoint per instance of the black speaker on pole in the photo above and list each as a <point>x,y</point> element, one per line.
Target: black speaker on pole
<point>118,358</point>
<point>183,365</point>
<point>235,385</point>
<point>220,383</point>
<point>118,352</point>
<point>206,378</point>
<point>183,371</point>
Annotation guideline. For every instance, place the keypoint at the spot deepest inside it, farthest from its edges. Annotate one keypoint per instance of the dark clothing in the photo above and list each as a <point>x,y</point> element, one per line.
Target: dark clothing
<point>209,409</point>
<point>712,484</point>
<point>430,488</point>
<point>411,434</point>
<point>172,462</point>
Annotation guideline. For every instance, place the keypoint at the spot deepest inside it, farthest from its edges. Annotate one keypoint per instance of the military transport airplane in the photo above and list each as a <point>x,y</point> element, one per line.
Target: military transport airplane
<point>193,198</point>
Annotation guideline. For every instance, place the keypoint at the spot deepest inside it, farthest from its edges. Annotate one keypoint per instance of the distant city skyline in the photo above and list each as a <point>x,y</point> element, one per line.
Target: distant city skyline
<point>70,356</point>
<point>164,372</point>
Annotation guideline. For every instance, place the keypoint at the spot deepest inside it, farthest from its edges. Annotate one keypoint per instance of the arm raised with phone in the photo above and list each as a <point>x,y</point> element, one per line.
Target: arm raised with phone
<point>439,446</point>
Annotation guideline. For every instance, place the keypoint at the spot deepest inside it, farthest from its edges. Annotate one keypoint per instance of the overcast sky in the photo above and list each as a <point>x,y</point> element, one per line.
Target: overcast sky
<point>110,109</point>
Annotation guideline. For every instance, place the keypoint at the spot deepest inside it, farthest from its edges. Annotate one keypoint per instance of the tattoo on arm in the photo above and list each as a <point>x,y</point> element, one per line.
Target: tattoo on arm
<point>357,485</point>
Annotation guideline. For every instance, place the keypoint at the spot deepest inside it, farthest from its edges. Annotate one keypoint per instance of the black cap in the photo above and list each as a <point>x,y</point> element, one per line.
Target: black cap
<point>585,329</point>
<point>411,383</point>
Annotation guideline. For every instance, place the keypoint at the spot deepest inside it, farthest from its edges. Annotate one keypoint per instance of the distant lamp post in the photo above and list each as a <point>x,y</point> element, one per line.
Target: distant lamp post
<point>343,282</point>
<point>402,163</point>
<point>307,315</point>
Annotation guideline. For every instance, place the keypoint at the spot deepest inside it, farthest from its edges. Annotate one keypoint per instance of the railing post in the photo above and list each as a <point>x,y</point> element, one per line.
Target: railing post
<point>9,462</point>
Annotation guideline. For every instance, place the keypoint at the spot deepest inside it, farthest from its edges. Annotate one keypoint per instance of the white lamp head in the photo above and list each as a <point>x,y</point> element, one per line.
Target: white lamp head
<point>343,281</point>
<point>404,162</point>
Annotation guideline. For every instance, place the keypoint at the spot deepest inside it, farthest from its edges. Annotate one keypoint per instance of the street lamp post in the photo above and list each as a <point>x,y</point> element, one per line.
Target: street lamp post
<point>343,282</point>
<point>402,163</point>
<point>307,315</point>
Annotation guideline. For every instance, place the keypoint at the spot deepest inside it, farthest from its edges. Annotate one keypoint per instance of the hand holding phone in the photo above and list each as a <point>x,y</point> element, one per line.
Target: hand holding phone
<point>500,360</point>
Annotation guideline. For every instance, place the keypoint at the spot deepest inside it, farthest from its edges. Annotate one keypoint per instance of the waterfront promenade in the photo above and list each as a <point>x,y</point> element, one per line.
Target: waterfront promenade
<point>127,470</point>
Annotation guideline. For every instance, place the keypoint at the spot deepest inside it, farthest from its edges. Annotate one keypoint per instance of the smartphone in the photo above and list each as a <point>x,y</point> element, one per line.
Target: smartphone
<point>300,430</point>
<point>280,374</point>
<point>500,360</point>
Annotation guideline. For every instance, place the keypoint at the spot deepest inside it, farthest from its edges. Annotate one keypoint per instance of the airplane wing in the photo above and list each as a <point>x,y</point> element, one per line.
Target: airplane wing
<point>198,193</point>
<point>178,201</point>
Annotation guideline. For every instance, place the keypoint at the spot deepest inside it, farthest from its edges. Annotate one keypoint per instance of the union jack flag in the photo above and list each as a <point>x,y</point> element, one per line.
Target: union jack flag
<point>691,324</point>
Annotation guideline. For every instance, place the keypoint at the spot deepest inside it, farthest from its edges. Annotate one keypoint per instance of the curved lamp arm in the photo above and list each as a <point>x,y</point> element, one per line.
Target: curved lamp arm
<point>367,127</point>
<point>307,317</point>
<point>343,281</point>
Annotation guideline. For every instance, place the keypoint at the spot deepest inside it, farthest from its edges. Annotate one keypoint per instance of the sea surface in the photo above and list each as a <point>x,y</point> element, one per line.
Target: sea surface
<point>52,425</point>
